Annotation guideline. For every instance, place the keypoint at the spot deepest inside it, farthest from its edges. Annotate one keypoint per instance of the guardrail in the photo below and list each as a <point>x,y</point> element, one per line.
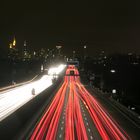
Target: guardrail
<point>24,119</point>
<point>129,113</point>
<point>16,85</point>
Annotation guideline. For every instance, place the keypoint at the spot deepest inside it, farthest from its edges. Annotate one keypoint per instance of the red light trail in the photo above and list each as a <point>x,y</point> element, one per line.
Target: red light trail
<point>75,128</point>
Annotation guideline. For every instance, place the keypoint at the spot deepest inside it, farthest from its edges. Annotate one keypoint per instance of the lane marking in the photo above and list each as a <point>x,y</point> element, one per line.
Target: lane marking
<point>89,129</point>
<point>61,128</point>
<point>60,136</point>
<point>91,137</point>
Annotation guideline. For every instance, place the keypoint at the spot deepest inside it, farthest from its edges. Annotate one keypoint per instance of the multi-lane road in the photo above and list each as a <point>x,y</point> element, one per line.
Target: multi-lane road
<point>65,111</point>
<point>14,98</point>
<point>75,114</point>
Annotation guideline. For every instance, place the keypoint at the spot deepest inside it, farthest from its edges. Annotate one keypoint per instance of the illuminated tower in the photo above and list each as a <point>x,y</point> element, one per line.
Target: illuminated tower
<point>13,52</point>
<point>14,43</point>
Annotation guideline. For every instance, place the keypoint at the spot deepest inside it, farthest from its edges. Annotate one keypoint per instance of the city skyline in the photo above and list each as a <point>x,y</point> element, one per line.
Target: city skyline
<point>110,26</point>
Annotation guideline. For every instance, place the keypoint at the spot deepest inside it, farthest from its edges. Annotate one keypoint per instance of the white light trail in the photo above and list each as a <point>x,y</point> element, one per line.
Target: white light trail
<point>13,99</point>
<point>56,70</point>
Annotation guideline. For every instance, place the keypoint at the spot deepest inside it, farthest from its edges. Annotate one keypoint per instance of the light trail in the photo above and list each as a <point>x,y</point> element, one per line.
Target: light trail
<point>51,115</point>
<point>74,124</point>
<point>13,99</point>
<point>106,126</point>
<point>69,131</point>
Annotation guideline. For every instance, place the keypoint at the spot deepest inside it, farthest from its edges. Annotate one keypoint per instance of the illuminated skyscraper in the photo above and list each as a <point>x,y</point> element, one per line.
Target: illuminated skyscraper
<point>13,52</point>
<point>26,54</point>
<point>14,42</point>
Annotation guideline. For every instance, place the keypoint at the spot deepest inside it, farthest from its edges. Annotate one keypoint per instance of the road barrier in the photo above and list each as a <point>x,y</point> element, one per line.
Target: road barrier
<point>17,85</point>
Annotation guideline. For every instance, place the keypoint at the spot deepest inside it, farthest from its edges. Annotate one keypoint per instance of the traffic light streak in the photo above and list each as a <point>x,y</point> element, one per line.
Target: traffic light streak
<point>74,125</point>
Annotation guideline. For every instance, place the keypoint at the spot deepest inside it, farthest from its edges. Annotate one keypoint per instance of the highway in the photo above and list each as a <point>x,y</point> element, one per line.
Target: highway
<point>14,98</point>
<point>74,114</point>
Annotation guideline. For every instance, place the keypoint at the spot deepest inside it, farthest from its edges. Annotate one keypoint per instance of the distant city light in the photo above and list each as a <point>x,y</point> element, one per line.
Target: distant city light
<point>85,47</point>
<point>114,91</point>
<point>130,53</point>
<point>56,70</point>
<point>58,47</point>
<point>10,45</point>
<point>14,42</point>
<point>112,71</point>
<point>25,44</point>
<point>132,108</point>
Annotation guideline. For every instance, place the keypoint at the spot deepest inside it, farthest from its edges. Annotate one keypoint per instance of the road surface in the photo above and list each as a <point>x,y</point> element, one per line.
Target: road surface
<point>14,98</point>
<point>75,114</point>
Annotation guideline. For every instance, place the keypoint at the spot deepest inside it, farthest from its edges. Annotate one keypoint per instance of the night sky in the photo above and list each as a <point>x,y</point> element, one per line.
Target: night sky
<point>113,26</point>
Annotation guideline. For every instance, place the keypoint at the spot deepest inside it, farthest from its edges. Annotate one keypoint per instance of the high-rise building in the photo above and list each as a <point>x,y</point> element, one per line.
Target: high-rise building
<point>26,54</point>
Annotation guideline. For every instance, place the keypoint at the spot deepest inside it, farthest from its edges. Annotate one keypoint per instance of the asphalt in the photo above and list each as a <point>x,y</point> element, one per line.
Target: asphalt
<point>61,126</point>
<point>91,129</point>
<point>117,116</point>
<point>128,125</point>
<point>21,123</point>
